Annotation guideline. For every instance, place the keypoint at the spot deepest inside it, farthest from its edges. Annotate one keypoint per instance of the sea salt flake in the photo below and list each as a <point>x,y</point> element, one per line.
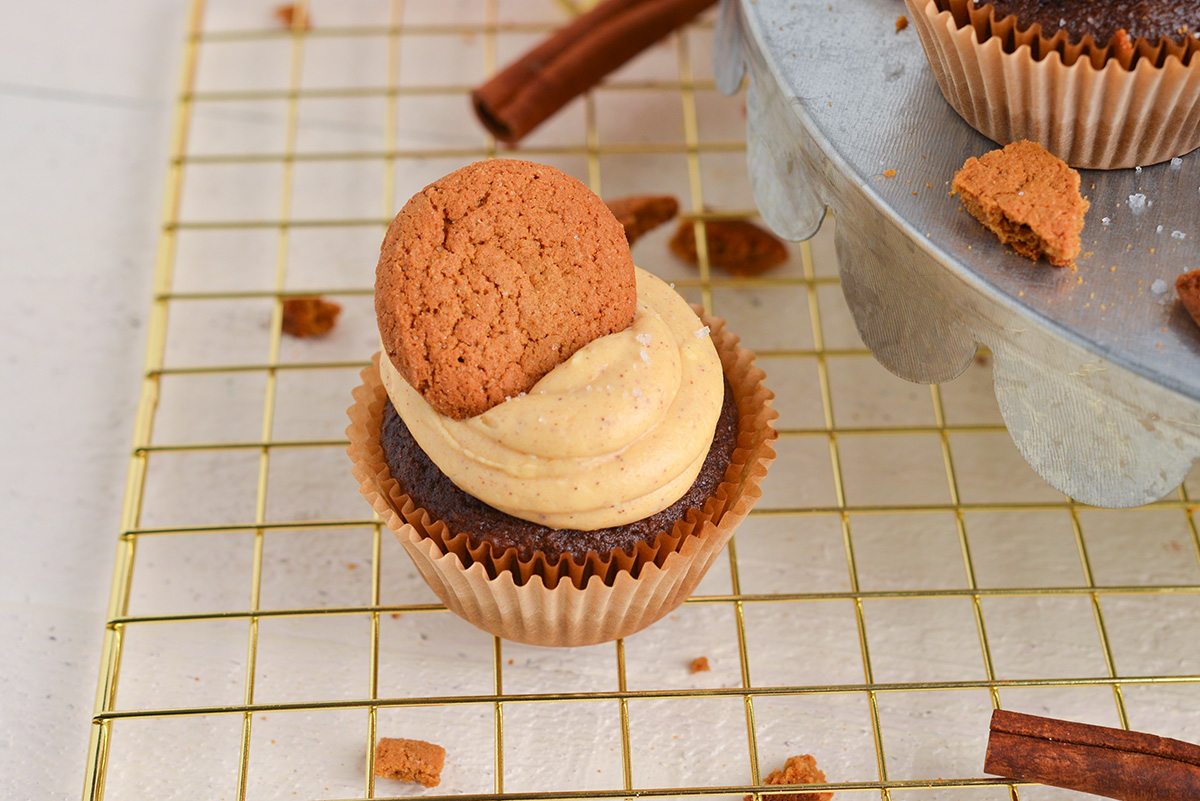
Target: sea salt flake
<point>1158,230</point>
<point>1176,163</point>
<point>637,393</point>
<point>1106,221</point>
<point>1138,170</point>
<point>1159,286</point>
<point>702,332</point>
<point>644,339</point>
<point>1137,201</point>
<point>1178,235</point>
<point>646,356</point>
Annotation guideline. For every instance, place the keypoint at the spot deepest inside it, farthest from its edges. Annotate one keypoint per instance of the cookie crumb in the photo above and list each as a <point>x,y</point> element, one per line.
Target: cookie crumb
<point>889,173</point>
<point>414,761</point>
<point>640,214</point>
<point>738,247</point>
<point>309,316</point>
<point>291,15</point>
<point>901,23</point>
<point>1121,43</point>
<point>1188,287</point>
<point>1027,197</point>
<point>699,665</point>
<point>798,770</point>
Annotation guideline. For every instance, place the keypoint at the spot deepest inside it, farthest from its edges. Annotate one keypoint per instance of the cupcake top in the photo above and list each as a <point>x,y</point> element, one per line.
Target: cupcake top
<point>1151,20</point>
<point>614,434</point>
<point>502,294</point>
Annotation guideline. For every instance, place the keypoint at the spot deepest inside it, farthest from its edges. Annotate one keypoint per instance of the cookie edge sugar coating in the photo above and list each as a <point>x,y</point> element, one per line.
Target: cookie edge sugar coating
<point>492,275</point>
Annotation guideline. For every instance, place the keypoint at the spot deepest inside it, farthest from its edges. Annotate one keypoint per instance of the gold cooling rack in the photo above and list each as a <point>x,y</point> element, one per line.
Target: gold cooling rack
<point>904,575</point>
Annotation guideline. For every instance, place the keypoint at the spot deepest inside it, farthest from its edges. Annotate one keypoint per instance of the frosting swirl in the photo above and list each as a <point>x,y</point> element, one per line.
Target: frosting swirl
<point>615,433</point>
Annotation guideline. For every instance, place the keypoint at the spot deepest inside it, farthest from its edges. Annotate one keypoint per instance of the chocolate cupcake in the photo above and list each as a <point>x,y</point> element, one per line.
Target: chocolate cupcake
<point>1100,85</point>
<point>589,500</point>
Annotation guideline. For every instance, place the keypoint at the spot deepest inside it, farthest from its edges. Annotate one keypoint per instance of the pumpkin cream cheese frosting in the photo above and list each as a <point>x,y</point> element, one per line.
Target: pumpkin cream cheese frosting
<point>614,434</point>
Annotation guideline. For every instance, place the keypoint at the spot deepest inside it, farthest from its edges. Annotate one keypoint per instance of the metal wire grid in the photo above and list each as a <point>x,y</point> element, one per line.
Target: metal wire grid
<point>835,433</point>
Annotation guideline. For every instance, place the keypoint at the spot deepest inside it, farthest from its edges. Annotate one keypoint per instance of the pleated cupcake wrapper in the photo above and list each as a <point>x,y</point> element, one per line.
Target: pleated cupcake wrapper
<point>1095,108</point>
<point>605,596</point>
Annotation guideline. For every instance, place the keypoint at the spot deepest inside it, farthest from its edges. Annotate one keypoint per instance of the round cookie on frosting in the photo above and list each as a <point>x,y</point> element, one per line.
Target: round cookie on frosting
<point>491,276</point>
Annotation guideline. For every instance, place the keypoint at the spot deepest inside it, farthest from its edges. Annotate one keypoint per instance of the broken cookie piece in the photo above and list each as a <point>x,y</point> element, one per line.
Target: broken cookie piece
<point>1028,198</point>
<point>738,247</point>
<point>797,770</point>
<point>699,665</point>
<point>413,761</point>
<point>1188,287</point>
<point>640,214</point>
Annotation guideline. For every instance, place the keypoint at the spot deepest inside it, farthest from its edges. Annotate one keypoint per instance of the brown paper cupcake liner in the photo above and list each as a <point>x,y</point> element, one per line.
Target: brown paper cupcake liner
<point>1093,107</point>
<point>568,602</point>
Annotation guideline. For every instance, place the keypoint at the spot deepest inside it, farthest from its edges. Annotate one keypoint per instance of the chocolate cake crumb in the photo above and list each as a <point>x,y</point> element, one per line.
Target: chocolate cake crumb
<point>700,665</point>
<point>640,214</point>
<point>1027,197</point>
<point>797,770</point>
<point>738,247</point>
<point>309,316</point>
<point>414,761</point>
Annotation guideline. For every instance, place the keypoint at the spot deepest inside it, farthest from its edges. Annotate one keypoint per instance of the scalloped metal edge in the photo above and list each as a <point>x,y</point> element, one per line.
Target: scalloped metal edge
<point>1094,431</point>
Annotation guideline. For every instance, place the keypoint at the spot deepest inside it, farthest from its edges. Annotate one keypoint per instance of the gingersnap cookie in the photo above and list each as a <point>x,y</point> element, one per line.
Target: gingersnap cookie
<point>490,277</point>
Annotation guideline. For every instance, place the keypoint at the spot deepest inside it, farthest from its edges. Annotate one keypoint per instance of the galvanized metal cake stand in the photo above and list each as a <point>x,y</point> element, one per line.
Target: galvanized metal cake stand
<point>1097,372</point>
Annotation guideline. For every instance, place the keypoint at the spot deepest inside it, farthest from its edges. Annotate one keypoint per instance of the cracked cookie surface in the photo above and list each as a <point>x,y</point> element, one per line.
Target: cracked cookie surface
<point>493,275</point>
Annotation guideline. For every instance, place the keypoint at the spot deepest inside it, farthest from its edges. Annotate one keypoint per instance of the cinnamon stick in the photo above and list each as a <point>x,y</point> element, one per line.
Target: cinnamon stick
<point>1113,763</point>
<point>574,59</point>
